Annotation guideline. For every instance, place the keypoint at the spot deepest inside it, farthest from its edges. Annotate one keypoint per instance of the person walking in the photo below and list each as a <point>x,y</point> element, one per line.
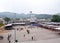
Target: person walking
<point>9,38</point>
<point>32,37</point>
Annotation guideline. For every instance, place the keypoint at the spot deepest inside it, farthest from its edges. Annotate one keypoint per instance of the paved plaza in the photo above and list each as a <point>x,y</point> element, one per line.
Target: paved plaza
<point>35,35</point>
<point>40,35</point>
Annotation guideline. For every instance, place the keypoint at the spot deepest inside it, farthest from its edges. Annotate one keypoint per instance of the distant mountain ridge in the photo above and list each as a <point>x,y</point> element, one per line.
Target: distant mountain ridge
<point>16,15</point>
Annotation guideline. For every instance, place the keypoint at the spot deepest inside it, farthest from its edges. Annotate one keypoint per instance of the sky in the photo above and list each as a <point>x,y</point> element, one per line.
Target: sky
<point>36,6</point>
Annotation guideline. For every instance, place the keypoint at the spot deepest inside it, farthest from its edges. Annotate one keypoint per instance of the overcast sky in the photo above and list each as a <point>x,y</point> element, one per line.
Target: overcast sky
<point>36,6</point>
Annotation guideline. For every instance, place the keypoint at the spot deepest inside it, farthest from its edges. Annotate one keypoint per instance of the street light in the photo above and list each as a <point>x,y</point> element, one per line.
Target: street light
<point>15,41</point>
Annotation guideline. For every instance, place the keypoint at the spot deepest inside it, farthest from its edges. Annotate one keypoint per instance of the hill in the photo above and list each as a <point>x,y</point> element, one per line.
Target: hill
<point>16,15</point>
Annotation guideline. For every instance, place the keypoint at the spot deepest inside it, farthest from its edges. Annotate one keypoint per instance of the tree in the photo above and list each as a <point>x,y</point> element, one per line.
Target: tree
<point>7,19</point>
<point>1,24</point>
<point>55,18</point>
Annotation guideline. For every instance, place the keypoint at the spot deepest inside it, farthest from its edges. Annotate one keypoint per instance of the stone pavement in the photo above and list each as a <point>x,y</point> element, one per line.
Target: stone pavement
<point>5,36</point>
<point>40,35</point>
<point>57,40</point>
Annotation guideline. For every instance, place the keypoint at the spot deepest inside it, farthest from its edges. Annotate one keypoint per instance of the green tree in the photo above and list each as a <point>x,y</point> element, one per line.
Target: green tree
<point>7,19</point>
<point>1,24</point>
<point>55,18</point>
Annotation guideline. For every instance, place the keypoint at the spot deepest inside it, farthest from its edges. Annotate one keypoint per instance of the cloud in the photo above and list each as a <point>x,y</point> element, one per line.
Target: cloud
<point>24,6</point>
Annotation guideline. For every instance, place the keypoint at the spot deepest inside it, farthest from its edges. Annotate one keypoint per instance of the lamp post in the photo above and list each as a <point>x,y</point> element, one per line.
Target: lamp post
<point>15,41</point>
<point>14,35</point>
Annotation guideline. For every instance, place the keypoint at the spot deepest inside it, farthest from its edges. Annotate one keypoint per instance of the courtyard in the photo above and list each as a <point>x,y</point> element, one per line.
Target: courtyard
<point>36,35</point>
